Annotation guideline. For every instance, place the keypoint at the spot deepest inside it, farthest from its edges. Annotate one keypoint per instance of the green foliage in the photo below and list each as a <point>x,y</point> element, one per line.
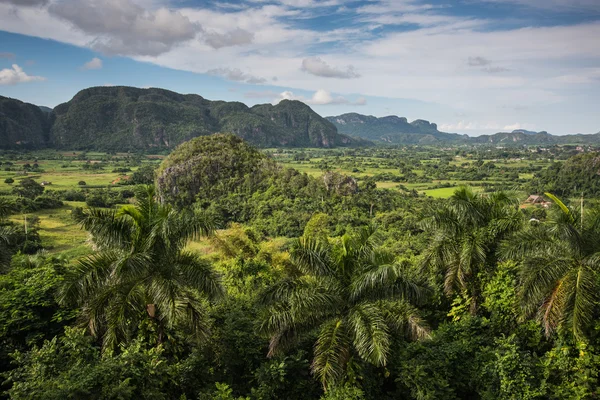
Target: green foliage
<point>72,367</point>
<point>353,295</point>
<point>571,372</point>
<point>323,316</point>
<point>346,392</point>
<point>575,177</point>
<point>559,275</point>
<point>142,272</point>
<point>143,176</point>
<point>466,231</point>
<point>28,188</point>
<point>29,312</point>
<point>208,167</point>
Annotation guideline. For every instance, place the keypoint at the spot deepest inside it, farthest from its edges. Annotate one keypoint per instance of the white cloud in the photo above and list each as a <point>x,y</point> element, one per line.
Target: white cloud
<point>486,64</point>
<point>513,127</point>
<point>235,37</point>
<point>486,126</point>
<point>237,75</point>
<point>561,5</point>
<point>16,75</point>
<point>478,61</point>
<point>316,66</point>
<point>123,27</point>
<point>94,63</point>
<point>320,98</point>
<point>30,3</point>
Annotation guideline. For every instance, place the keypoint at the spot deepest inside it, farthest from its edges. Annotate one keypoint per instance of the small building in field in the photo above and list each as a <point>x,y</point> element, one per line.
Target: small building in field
<point>537,200</point>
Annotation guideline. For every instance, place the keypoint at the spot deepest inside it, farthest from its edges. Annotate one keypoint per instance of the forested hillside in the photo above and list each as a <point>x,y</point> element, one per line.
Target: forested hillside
<point>126,118</point>
<point>23,125</point>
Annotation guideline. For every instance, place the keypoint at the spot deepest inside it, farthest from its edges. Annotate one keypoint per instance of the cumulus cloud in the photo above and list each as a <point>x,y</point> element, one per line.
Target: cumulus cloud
<point>14,75</point>
<point>237,75</point>
<point>235,37</point>
<point>30,3</point>
<point>320,98</point>
<point>513,127</point>
<point>94,63</point>
<point>478,62</point>
<point>487,126</point>
<point>122,27</point>
<point>486,64</point>
<point>316,66</point>
<point>495,70</point>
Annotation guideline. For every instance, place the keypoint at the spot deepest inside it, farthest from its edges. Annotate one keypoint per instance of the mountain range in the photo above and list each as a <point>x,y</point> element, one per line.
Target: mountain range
<point>397,130</point>
<point>124,118</point>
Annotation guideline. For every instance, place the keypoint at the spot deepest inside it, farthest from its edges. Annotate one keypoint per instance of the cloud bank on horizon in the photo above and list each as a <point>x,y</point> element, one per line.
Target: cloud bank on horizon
<point>472,66</point>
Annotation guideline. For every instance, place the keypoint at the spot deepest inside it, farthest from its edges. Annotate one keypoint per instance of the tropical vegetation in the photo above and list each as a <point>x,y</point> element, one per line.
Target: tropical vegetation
<point>232,273</point>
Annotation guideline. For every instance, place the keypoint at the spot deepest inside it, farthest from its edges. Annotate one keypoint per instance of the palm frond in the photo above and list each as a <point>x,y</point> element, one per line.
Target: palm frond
<point>108,227</point>
<point>312,257</point>
<point>370,332</point>
<point>331,352</point>
<point>387,281</point>
<point>194,272</point>
<point>402,317</point>
<point>539,277</point>
<point>582,300</point>
<point>565,210</point>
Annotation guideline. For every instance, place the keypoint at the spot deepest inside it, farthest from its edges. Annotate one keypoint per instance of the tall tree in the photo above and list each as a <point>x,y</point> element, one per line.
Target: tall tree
<point>466,231</point>
<point>560,268</point>
<point>351,294</point>
<point>142,270</point>
<point>28,188</point>
<point>5,232</point>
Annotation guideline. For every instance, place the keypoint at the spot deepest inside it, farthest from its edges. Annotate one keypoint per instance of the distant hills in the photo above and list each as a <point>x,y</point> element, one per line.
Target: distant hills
<point>124,118</point>
<point>393,129</point>
<point>127,118</point>
<point>398,130</point>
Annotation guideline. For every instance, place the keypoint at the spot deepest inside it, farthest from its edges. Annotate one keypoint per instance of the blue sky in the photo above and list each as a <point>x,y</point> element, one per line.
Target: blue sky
<point>471,66</point>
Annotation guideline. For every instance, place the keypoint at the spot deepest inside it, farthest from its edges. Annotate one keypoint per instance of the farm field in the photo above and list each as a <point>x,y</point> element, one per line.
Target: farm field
<point>428,172</point>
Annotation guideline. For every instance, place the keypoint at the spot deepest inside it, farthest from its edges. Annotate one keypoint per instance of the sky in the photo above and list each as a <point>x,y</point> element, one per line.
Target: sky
<point>471,66</point>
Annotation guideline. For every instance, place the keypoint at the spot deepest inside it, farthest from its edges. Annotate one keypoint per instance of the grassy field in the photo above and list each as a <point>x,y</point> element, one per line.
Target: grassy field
<point>65,170</point>
<point>58,230</point>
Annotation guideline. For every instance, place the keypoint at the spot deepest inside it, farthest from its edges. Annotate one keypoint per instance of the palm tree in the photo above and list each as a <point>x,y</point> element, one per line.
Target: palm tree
<point>5,233</point>
<point>466,231</point>
<point>141,270</point>
<point>560,261</point>
<point>352,295</point>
